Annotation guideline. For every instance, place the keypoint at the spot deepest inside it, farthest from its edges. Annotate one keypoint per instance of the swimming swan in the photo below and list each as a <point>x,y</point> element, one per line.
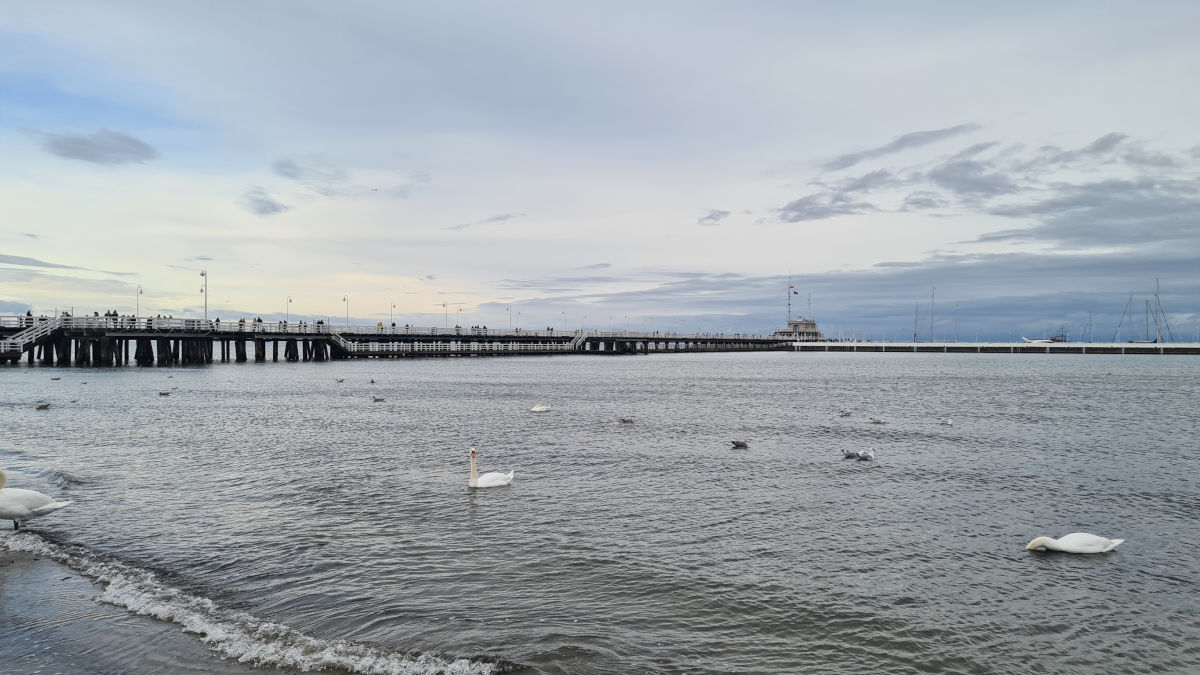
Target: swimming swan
<point>20,505</point>
<point>1076,542</point>
<point>490,479</point>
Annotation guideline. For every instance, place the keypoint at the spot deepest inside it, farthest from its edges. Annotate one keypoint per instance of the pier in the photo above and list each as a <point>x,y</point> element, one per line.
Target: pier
<point>114,341</point>
<point>150,341</point>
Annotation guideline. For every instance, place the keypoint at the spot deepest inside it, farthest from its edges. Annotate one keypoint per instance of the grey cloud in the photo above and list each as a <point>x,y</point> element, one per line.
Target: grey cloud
<point>260,203</point>
<point>1146,212</point>
<point>202,258</point>
<point>32,262</point>
<point>971,178</point>
<point>921,200</point>
<point>597,266</point>
<point>821,206</point>
<point>102,147</point>
<point>317,176</point>
<point>868,182</point>
<point>914,139</point>
<point>31,236</point>
<point>498,218</point>
<point>714,217</point>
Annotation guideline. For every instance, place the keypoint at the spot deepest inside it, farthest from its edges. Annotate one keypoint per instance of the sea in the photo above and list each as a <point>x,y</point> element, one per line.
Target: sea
<point>285,518</point>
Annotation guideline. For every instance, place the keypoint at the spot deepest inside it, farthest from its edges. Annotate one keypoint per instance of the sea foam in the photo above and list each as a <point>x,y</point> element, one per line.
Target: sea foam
<point>235,634</point>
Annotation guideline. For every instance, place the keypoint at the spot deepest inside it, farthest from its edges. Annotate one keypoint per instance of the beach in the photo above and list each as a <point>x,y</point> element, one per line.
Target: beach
<point>53,623</point>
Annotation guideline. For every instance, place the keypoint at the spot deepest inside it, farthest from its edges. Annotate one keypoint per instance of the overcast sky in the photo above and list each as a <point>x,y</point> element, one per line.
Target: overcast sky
<point>639,164</point>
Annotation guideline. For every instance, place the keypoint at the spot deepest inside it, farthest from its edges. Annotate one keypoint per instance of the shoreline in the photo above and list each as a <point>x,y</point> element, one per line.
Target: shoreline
<point>55,623</point>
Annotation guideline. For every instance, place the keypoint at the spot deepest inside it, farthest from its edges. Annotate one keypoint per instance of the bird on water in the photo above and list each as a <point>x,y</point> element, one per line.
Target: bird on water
<point>20,505</point>
<point>740,444</point>
<point>1076,542</point>
<point>489,479</point>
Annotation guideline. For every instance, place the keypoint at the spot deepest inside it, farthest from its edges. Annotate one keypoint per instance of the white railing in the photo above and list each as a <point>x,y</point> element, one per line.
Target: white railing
<point>453,347</point>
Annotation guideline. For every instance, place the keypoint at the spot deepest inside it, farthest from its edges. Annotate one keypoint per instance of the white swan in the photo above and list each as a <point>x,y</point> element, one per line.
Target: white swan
<point>20,505</point>
<point>490,479</point>
<point>1076,542</point>
<point>539,408</point>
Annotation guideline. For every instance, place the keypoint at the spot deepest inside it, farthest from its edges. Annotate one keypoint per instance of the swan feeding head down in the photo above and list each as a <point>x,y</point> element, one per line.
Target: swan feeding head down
<point>20,505</point>
<point>1076,542</point>
<point>490,479</point>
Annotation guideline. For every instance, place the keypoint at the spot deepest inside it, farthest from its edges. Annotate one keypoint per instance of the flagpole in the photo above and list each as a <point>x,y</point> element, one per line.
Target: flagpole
<point>789,294</point>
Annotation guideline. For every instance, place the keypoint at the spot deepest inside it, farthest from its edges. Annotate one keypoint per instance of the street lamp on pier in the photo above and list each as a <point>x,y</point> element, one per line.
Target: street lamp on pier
<point>287,309</point>
<point>392,314</point>
<point>346,299</point>
<point>137,302</point>
<point>204,273</point>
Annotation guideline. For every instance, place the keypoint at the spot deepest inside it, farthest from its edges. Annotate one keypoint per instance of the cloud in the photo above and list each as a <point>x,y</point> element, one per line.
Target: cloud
<point>102,147</point>
<point>498,218</point>
<point>597,266</point>
<point>821,206</point>
<point>32,262</point>
<point>318,176</point>
<point>921,200</point>
<point>1142,212</point>
<point>868,182</point>
<point>260,203</point>
<point>201,258</point>
<point>31,236</point>
<point>971,178</point>
<point>910,140</point>
<point>714,217</point>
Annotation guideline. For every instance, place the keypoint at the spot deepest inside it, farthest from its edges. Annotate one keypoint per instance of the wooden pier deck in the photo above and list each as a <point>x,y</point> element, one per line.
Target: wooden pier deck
<point>114,341</point>
<point>107,341</point>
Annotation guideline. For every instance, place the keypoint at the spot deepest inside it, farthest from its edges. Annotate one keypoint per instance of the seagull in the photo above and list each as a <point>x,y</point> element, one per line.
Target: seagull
<point>849,454</point>
<point>626,420</point>
<point>374,189</point>
<point>844,413</point>
<point>377,399</point>
<point>56,378</point>
<point>740,444</point>
<point>876,420</point>
<point>341,379</point>
<point>164,393</point>
<point>866,455</point>
<point>43,406</point>
<point>945,421</point>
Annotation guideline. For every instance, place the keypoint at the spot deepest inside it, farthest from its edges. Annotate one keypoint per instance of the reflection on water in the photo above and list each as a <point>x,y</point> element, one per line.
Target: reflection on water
<point>284,498</point>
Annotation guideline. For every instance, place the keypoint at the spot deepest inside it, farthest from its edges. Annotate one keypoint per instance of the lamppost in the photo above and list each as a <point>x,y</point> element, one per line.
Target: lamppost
<point>346,299</point>
<point>446,311</point>
<point>392,314</point>
<point>287,309</point>
<point>137,302</point>
<point>932,291</point>
<point>564,316</point>
<point>582,323</point>
<point>626,323</point>
<point>509,311</point>
<point>204,273</point>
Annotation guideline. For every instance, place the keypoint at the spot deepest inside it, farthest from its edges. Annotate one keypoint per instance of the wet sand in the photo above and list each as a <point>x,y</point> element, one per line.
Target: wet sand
<point>53,624</point>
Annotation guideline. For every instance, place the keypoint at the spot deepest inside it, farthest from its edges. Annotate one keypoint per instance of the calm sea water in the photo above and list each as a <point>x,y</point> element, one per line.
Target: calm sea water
<point>288,520</point>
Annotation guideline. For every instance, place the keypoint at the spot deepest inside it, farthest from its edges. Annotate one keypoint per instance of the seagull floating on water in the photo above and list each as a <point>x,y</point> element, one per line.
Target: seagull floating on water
<point>43,406</point>
<point>626,420</point>
<point>844,413</point>
<point>1076,542</point>
<point>740,444</point>
<point>876,420</point>
<point>849,454</point>
<point>20,505</point>
<point>539,408</point>
<point>164,393</point>
<point>377,399</point>
<point>945,421</point>
<point>866,455</point>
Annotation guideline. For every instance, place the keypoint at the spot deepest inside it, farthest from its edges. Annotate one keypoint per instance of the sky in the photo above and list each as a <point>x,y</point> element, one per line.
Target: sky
<point>937,169</point>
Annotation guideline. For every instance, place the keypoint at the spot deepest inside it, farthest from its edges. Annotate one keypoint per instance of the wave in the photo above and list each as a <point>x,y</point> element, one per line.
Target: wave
<point>238,635</point>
